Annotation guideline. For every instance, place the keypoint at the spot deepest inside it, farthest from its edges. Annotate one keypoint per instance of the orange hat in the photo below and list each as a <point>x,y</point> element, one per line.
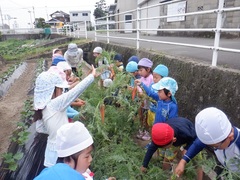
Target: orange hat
<point>162,134</point>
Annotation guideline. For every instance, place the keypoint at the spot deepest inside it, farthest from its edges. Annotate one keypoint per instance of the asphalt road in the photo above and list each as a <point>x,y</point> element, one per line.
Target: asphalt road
<point>225,59</point>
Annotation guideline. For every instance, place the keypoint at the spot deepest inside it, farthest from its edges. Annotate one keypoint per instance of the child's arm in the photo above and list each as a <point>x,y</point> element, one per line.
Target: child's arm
<point>149,91</point>
<point>63,101</point>
<point>192,151</point>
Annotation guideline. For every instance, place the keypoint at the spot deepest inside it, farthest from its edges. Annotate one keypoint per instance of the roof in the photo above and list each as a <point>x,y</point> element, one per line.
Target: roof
<point>60,12</point>
<point>80,11</point>
<point>53,21</point>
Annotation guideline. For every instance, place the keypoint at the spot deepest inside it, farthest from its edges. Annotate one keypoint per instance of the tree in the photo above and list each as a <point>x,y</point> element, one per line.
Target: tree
<point>101,9</point>
<point>40,23</point>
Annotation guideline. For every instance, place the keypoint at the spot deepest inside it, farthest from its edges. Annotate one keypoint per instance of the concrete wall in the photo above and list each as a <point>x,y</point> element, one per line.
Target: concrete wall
<point>230,19</point>
<point>200,86</point>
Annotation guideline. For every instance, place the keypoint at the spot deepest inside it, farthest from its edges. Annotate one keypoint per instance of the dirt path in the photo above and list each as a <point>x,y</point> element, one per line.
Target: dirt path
<point>12,104</point>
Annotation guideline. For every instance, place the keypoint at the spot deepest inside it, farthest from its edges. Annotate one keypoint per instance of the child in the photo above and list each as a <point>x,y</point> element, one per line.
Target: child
<point>57,59</point>
<point>159,72</point>
<point>71,112</point>
<point>132,67</point>
<point>118,58</point>
<point>74,147</point>
<point>166,103</point>
<point>102,64</point>
<point>50,105</point>
<point>133,58</point>
<point>74,57</point>
<point>175,132</point>
<point>215,130</point>
<point>145,71</point>
<point>57,52</point>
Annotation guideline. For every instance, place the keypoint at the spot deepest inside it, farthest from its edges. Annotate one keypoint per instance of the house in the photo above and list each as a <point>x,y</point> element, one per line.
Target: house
<point>61,16</point>
<point>80,17</point>
<point>55,23</point>
<point>230,19</point>
<point>122,6</point>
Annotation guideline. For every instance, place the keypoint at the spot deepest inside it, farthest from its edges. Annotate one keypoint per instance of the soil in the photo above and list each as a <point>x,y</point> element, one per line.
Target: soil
<point>11,105</point>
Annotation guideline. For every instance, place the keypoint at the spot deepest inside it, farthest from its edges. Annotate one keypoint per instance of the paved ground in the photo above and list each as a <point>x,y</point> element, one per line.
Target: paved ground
<point>226,59</point>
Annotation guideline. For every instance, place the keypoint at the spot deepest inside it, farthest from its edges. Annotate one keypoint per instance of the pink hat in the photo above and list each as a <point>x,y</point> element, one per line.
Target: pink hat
<point>145,62</point>
<point>162,134</point>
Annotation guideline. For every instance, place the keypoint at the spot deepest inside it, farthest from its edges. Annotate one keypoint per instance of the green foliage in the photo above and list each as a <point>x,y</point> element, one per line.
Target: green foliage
<point>40,23</point>
<point>98,13</point>
<point>11,160</point>
<point>27,111</point>
<point>21,135</point>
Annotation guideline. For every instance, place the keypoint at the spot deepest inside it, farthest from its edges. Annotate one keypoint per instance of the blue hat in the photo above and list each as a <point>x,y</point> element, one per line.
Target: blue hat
<point>133,58</point>
<point>162,70</point>
<point>167,83</point>
<point>132,66</point>
<point>57,59</point>
<point>118,57</point>
<point>145,62</point>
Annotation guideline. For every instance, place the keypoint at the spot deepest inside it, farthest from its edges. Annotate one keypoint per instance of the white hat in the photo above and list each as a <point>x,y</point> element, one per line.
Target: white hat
<point>44,88</point>
<point>107,82</point>
<point>212,126</point>
<point>97,50</point>
<point>72,138</point>
<point>64,66</point>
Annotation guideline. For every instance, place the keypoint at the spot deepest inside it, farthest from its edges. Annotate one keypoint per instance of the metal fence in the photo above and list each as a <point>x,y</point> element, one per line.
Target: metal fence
<point>217,30</point>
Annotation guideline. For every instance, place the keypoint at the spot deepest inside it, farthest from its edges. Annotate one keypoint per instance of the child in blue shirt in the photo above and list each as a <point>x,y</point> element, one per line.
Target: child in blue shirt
<point>215,130</point>
<point>166,103</point>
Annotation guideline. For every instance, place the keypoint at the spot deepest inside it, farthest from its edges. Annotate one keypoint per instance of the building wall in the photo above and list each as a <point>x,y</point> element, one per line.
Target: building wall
<point>149,12</point>
<point>230,19</point>
<point>80,16</point>
<point>122,6</point>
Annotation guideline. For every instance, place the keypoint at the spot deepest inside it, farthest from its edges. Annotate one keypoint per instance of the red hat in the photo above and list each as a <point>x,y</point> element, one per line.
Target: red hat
<point>162,134</point>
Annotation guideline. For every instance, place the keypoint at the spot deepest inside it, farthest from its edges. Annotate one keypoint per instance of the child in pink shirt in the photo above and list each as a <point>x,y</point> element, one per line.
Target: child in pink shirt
<point>145,71</point>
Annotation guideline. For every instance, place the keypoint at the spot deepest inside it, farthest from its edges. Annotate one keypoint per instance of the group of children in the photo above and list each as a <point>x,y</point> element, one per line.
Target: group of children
<point>158,115</point>
<point>172,133</point>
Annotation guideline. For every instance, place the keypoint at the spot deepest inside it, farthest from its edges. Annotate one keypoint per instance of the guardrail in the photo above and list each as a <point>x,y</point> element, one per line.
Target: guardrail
<point>217,30</point>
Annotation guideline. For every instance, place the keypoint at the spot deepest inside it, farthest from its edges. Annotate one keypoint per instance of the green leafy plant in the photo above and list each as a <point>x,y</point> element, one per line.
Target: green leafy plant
<point>11,160</point>
<point>21,135</point>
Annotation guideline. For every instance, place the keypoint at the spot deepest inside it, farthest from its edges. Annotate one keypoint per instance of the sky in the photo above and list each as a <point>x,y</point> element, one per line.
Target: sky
<point>22,10</point>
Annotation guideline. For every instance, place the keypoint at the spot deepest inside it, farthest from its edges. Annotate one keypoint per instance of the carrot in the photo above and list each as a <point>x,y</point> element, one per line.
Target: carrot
<point>134,92</point>
<point>102,112</point>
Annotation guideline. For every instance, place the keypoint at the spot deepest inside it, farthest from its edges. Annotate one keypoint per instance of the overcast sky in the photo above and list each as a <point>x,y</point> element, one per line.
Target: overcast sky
<point>23,9</point>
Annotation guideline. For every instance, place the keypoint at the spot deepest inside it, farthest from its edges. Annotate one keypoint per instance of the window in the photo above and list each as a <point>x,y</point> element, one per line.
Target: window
<point>75,14</point>
<point>84,14</point>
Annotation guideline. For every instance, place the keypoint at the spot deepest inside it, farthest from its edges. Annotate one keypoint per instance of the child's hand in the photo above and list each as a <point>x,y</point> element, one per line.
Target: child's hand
<point>93,72</point>
<point>81,102</point>
<point>143,169</point>
<point>130,88</point>
<point>137,82</point>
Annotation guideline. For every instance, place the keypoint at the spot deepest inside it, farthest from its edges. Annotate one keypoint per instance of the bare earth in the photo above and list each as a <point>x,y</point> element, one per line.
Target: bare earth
<point>12,104</point>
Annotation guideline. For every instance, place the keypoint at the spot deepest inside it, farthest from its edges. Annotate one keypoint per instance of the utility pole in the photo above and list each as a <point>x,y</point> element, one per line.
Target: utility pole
<point>1,17</point>
<point>34,15</point>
